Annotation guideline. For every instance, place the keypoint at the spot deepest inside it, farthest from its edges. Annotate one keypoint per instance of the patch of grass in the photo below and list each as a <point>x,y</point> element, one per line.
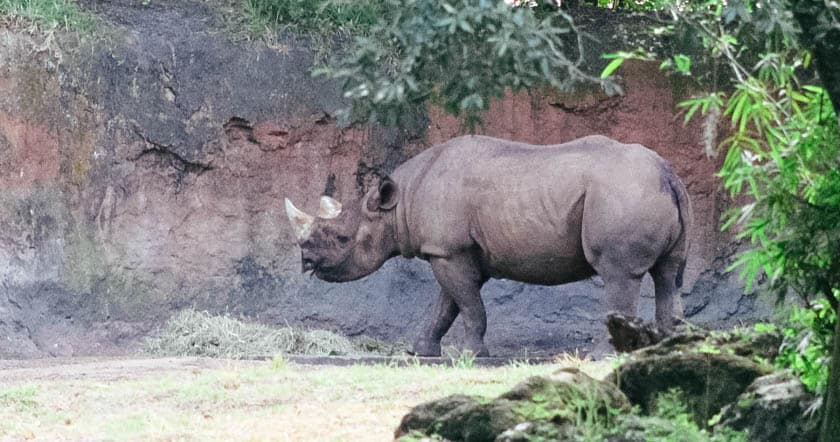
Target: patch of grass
<point>315,16</point>
<point>195,333</point>
<point>64,14</point>
<point>173,399</point>
<point>19,398</point>
<point>464,359</point>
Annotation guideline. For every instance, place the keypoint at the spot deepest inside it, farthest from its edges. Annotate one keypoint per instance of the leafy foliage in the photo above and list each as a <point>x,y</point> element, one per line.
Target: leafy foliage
<point>459,54</point>
<point>807,344</point>
<point>782,159</point>
<point>783,154</point>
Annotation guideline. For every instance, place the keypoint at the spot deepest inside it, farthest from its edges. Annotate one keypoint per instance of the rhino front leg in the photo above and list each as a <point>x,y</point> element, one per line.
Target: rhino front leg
<point>443,315</point>
<point>460,278</point>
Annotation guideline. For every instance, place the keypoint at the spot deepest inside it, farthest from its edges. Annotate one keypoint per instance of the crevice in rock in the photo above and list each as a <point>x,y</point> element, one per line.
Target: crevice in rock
<point>589,108</point>
<point>238,128</point>
<point>178,162</point>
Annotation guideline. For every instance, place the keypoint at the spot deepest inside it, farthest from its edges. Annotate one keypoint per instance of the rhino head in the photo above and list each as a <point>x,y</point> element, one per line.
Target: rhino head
<point>345,242</point>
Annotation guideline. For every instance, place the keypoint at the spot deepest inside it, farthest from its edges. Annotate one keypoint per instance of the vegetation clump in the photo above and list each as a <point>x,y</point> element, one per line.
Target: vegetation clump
<point>318,16</point>
<point>198,333</point>
<point>460,55</point>
<point>51,14</point>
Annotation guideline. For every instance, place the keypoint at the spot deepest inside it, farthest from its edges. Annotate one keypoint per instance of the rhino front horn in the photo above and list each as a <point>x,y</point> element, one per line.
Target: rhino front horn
<point>301,222</point>
<point>330,208</point>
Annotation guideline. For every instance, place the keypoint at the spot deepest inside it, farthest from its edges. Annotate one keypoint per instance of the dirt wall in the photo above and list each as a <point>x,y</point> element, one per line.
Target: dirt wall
<point>145,173</point>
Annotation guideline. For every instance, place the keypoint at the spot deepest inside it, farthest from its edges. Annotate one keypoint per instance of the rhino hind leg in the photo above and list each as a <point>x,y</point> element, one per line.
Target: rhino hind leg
<point>460,278</point>
<point>443,315</point>
<point>668,302</point>
<point>623,293</point>
<point>622,297</point>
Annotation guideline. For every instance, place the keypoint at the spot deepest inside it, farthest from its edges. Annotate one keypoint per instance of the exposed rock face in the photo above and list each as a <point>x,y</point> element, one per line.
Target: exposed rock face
<point>145,173</point>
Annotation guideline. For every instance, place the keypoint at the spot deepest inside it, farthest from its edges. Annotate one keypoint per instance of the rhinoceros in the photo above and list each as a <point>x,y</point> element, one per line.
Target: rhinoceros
<point>477,208</point>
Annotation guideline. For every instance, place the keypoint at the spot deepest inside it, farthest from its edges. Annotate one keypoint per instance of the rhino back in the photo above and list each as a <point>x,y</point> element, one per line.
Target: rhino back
<point>521,205</point>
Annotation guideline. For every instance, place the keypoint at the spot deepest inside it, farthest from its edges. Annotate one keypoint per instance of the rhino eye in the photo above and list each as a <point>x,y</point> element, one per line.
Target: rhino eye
<point>343,239</point>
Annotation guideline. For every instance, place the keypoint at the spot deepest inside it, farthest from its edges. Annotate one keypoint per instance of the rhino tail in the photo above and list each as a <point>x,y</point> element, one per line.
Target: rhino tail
<point>678,280</point>
<point>685,215</point>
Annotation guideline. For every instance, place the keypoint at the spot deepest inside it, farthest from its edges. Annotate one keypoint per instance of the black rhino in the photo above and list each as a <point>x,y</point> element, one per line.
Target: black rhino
<point>477,208</point>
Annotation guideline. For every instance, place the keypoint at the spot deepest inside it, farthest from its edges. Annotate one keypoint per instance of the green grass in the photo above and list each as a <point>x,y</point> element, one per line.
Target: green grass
<point>63,14</point>
<point>314,16</point>
<point>19,398</point>
<point>200,399</point>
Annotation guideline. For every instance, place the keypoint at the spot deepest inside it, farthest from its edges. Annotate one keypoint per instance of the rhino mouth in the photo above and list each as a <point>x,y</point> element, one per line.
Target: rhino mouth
<point>321,271</point>
<point>336,273</point>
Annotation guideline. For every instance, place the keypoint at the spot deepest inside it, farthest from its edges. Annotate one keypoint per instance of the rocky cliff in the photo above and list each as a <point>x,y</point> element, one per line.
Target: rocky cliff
<point>144,171</point>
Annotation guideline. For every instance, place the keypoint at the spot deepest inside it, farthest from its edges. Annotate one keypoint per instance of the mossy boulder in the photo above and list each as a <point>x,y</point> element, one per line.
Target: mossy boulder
<point>710,367</point>
<point>774,407</point>
<point>563,396</point>
<point>757,343</point>
<point>709,380</point>
<point>542,403</point>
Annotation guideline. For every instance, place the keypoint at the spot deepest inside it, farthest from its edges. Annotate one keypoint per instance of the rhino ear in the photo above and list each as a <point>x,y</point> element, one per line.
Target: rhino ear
<point>385,197</point>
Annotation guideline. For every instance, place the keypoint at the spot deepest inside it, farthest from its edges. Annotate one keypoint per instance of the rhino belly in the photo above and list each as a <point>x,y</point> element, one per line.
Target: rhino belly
<point>546,268</point>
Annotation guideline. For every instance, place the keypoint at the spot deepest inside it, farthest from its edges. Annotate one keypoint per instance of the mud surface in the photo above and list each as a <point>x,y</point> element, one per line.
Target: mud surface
<point>145,173</point>
<point>104,369</point>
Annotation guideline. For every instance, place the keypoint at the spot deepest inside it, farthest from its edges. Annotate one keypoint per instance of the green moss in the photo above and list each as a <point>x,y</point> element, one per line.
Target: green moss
<point>86,270</point>
<point>84,262</point>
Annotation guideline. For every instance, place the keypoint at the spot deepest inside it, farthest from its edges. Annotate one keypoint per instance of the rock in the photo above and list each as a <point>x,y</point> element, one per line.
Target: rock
<point>530,431</point>
<point>538,405</point>
<point>708,380</point>
<point>424,416</point>
<point>774,407</point>
<point>628,334</point>
<point>753,343</point>
<point>459,418</point>
<point>634,428</point>
<point>565,390</point>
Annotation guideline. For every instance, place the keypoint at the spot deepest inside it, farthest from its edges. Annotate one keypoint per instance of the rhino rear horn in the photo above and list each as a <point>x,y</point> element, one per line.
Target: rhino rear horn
<point>301,221</point>
<point>330,208</point>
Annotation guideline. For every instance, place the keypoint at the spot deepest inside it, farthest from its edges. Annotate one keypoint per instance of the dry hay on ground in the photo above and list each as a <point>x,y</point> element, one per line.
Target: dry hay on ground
<point>198,333</point>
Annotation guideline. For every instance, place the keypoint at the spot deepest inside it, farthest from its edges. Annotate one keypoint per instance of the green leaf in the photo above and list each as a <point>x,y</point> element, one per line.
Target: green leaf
<point>611,67</point>
<point>682,63</point>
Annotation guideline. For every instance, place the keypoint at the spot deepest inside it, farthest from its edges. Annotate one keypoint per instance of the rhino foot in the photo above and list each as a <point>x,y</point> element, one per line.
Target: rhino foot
<point>480,351</point>
<point>425,348</point>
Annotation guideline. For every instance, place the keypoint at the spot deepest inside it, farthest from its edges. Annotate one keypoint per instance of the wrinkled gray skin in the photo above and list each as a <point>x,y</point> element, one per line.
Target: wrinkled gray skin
<point>478,208</point>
